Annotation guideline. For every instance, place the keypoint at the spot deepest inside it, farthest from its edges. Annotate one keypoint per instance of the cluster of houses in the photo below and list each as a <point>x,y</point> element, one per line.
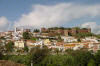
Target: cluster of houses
<point>49,37</point>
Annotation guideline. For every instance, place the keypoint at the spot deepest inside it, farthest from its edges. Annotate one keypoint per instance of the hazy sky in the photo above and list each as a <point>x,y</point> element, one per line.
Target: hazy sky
<point>50,13</point>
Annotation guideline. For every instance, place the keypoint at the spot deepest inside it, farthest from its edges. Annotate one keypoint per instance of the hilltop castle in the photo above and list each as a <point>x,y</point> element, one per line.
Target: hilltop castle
<point>66,31</point>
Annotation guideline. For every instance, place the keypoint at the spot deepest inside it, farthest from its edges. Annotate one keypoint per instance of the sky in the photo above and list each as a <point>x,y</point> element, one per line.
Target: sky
<point>50,13</point>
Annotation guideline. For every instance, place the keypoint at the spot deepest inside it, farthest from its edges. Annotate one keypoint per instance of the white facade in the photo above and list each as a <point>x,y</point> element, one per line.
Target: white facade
<point>69,39</point>
<point>17,35</point>
<point>91,39</point>
<point>38,43</point>
<point>19,44</point>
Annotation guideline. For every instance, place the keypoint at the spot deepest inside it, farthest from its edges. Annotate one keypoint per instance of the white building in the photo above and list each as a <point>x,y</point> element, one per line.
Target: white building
<point>17,35</point>
<point>91,39</point>
<point>19,44</point>
<point>69,39</point>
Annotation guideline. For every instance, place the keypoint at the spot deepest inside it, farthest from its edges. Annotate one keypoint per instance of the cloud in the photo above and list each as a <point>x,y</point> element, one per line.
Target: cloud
<point>93,25</point>
<point>57,15</point>
<point>4,23</point>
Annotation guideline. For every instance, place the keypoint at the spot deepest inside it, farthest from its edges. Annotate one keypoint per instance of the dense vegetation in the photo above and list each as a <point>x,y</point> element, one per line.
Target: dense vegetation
<point>9,63</point>
<point>26,35</point>
<point>44,57</point>
<point>9,46</point>
<point>36,30</point>
<point>83,35</point>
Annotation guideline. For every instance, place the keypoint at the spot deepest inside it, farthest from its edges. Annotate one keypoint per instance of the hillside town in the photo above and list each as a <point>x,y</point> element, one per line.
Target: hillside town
<point>49,32</point>
<point>54,38</point>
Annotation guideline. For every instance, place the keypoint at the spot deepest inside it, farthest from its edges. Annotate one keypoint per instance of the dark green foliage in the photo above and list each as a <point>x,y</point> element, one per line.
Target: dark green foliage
<point>77,28</point>
<point>1,56</point>
<point>57,51</point>
<point>91,63</point>
<point>42,57</point>
<point>9,46</point>
<point>23,59</point>
<point>2,38</point>
<point>26,35</point>
<point>33,38</point>
<point>99,65</point>
<point>97,57</point>
<point>83,35</point>
<point>83,57</point>
<point>98,36</point>
<point>79,40</point>
<point>53,28</point>
<point>69,51</point>
<point>54,60</point>
<point>36,30</point>
<point>61,28</point>
<point>59,60</point>
<point>70,61</point>
<point>38,54</point>
<point>68,28</point>
<point>59,38</point>
<point>26,49</point>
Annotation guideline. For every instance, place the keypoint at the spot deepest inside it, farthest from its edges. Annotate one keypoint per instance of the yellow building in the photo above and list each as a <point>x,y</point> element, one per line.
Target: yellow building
<point>19,44</point>
<point>71,46</point>
<point>47,42</point>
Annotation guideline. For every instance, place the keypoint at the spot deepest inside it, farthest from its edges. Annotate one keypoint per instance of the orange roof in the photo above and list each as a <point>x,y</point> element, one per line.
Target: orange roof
<point>10,31</point>
<point>59,43</point>
<point>69,45</point>
<point>32,41</point>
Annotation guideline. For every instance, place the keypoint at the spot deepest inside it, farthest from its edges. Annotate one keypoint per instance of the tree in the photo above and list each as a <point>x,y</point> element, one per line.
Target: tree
<point>79,40</point>
<point>38,54</point>
<point>33,38</point>
<point>59,38</point>
<point>70,61</point>
<point>26,35</point>
<point>69,51</point>
<point>36,30</point>
<point>61,28</point>
<point>97,57</point>
<point>83,35</point>
<point>2,38</point>
<point>1,55</point>
<point>91,63</point>
<point>98,36</point>
<point>98,64</point>
<point>57,50</point>
<point>82,57</point>
<point>9,46</point>
<point>26,49</point>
